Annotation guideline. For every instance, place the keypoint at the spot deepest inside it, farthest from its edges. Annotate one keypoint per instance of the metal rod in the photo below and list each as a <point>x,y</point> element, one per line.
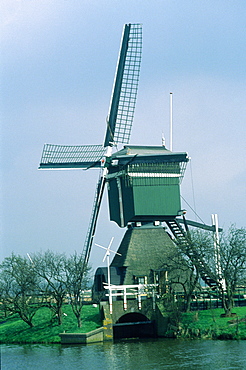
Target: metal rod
<point>110,301</point>
<point>171,122</point>
<point>139,299</point>
<point>215,223</point>
<point>108,268</point>
<point>125,299</point>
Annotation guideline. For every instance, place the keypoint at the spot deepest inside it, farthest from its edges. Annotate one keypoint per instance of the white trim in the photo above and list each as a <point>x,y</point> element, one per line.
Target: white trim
<point>153,174</point>
<point>143,174</point>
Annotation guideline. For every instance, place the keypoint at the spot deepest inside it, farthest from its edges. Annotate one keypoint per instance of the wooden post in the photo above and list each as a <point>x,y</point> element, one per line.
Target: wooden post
<point>125,300</point>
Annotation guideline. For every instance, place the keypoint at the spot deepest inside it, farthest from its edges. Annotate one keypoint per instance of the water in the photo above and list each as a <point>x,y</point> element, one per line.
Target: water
<point>128,355</point>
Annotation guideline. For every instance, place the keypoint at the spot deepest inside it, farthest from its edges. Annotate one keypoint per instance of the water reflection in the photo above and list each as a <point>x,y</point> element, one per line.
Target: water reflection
<point>130,355</point>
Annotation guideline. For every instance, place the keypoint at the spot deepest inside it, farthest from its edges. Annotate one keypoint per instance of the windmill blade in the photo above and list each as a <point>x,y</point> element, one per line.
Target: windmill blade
<point>106,254</point>
<point>108,250</point>
<point>71,156</point>
<point>111,241</point>
<point>125,87</point>
<point>93,221</point>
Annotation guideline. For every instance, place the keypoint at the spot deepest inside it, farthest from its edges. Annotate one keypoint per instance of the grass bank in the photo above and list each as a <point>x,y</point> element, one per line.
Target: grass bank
<point>209,324</point>
<point>14,330</point>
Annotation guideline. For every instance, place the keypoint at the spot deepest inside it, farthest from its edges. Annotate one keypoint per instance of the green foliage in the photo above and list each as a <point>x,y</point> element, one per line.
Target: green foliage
<point>14,330</point>
<point>210,324</point>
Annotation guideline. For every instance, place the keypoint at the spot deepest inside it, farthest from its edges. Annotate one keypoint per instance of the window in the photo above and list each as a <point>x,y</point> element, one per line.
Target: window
<point>141,279</point>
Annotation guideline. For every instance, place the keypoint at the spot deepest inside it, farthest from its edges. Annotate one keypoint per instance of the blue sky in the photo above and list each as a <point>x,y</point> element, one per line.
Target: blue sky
<point>58,62</point>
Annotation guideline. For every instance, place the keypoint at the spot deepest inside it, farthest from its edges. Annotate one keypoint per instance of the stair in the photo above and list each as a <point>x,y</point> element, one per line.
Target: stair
<point>184,243</point>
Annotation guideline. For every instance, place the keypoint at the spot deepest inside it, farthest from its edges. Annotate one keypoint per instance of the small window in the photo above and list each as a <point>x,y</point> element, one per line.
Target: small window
<point>141,279</point>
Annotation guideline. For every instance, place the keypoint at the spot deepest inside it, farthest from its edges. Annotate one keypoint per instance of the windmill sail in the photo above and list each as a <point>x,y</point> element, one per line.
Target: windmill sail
<point>118,128</point>
<point>93,220</point>
<point>124,94</point>
<point>121,111</point>
<point>71,156</point>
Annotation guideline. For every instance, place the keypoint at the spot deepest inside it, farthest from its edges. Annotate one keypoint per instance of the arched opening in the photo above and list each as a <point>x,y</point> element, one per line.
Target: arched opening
<point>134,325</point>
<point>132,317</point>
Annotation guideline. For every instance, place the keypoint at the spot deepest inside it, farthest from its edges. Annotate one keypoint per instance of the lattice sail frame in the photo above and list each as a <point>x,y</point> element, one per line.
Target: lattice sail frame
<point>129,87</point>
<point>124,93</point>
<point>71,156</point>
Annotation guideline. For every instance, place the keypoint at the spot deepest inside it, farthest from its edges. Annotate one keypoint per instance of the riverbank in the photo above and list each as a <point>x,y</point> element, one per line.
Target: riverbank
<point>207,324</point>
<point>14,330</point>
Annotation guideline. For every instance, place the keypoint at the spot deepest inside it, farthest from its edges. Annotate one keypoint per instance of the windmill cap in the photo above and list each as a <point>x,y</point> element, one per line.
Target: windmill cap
<point>155,152</point>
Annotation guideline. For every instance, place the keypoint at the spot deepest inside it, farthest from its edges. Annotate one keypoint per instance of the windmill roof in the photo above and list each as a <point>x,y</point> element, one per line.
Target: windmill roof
<point>143,249</point>
<point>149,151</point>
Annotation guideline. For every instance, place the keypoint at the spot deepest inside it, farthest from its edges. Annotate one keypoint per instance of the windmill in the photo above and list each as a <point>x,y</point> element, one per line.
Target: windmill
<point>143,181</point>
<point>118,129</point>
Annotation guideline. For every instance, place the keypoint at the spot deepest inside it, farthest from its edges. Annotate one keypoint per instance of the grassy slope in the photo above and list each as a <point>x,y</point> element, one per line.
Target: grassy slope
<point>209,324</point>
<point>198,324</point>
<point>14,330</point>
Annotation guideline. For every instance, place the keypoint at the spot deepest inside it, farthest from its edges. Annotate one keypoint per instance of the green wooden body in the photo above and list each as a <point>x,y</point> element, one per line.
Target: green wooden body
<point>145,187</point>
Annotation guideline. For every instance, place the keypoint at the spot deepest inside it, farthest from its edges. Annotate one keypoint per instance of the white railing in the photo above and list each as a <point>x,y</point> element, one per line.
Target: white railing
<point>138,292</point>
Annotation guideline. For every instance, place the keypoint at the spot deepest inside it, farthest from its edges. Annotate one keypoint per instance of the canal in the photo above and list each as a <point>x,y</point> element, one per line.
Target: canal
<point>128,355</point>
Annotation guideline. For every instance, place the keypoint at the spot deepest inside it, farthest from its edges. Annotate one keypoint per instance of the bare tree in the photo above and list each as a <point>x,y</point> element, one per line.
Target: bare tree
<point>228,269</point>
<point>182,275</point>
<point>63,279</point>
<point>48,279</point>
<point>19,292</point>
<point>49,266</point>
<point>77,280</point>
<point>233,264</point>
